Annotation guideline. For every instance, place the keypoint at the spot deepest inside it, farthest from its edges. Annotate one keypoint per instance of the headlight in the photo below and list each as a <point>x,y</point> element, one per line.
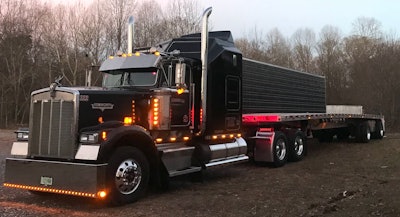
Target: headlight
<point>22,135</point>
<point>89,138</point>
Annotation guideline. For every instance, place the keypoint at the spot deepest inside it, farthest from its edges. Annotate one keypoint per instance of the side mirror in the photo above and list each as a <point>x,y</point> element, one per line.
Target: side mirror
<point>180,71</point>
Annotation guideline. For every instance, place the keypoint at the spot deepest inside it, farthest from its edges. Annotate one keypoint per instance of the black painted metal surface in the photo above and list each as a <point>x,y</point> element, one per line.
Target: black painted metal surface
<point>273,89</point>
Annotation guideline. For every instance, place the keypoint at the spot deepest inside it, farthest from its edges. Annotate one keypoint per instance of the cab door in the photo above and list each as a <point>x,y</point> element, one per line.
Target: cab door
<point>181,97</point>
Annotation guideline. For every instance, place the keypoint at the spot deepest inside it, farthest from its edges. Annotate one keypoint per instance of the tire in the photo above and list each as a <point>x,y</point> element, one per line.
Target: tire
<point>363,133</point>
<point>323,135</point>
<point>280,149</point>
<point>297,147</point>
<point>127,175</point>
<point>342,134</point>
<point>379,132</point>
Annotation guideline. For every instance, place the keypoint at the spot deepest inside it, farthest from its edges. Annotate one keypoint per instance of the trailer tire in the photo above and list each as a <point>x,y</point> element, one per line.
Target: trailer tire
<point>342,134</point>
<point>363,133</point>
<point>379,132</point>
<point>323,135</point>
<point>280,149</point>
<point>297,146</point>
<point>127,175</point>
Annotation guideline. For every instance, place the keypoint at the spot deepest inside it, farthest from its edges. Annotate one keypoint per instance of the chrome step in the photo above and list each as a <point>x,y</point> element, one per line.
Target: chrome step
<point>227,161</point>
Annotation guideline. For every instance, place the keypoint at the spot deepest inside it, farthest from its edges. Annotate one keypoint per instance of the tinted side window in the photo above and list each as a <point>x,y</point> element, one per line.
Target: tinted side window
<point>232,91</point>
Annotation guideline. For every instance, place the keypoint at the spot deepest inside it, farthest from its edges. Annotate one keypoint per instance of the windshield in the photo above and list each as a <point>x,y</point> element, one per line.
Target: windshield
<point>129,79</point>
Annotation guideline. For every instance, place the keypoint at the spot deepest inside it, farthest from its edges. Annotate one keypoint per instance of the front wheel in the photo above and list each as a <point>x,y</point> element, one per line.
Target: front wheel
<point>127,175</point>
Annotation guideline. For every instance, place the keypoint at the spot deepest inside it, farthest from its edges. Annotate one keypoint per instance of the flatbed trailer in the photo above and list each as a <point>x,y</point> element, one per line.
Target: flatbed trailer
<point>180,107</point>
<point>279,133</point>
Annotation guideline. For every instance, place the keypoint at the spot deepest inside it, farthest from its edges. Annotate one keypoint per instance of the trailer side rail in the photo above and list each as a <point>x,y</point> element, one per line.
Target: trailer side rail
<point>267,118</point>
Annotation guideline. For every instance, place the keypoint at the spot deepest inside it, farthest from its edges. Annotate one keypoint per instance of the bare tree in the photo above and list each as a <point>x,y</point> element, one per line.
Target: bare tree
<point>367,27</point>
<point>278,49</point>
<point>253,46</point>
<point>117,13</point>
<point>303,42</point>
<point>147,25</point>
<point>330,63</point>
<point>18,45</point>
<point>184,19</point>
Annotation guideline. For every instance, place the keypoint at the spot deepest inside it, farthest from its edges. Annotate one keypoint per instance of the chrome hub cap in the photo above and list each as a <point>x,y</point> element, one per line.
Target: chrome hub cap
<point>128,176</point>
<point>280,149</point>
<point>298,145</point>
<point>368,136</point>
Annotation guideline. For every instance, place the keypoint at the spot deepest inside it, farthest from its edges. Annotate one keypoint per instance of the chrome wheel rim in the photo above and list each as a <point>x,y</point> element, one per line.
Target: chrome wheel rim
<point>368,136</point>
<point>280,149</point>
<point>298,146</point>
<point>128,176</point>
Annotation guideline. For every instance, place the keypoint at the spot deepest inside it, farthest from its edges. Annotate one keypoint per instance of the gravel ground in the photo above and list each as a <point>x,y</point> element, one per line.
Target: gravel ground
<point>335,179</point>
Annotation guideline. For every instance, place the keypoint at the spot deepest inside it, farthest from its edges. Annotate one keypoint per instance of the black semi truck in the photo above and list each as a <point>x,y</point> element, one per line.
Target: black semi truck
<point>183,106</point>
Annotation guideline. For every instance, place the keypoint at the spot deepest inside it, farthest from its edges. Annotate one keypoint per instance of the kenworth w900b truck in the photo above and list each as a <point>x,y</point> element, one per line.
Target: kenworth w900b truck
<point>183,106</point>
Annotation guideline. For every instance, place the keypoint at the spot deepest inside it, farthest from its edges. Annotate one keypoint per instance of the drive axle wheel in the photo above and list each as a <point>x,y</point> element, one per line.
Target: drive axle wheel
<point>297,146</point>
<point>280,149</point>
<point>127,175</point>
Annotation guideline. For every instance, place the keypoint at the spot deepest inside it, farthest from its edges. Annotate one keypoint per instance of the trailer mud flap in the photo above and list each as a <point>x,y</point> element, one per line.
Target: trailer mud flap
<point>263,149</point>
<point>76,179</point>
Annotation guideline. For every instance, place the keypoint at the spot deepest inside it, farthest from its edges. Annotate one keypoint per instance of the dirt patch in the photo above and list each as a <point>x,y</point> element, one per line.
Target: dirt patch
<point>335,179</point>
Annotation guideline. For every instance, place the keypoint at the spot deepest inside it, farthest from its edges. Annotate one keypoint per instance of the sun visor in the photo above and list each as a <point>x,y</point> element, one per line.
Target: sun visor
<point>142,61</point>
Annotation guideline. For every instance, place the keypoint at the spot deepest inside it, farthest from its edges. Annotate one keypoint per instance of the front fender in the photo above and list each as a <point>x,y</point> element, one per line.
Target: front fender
<point>135,135</point>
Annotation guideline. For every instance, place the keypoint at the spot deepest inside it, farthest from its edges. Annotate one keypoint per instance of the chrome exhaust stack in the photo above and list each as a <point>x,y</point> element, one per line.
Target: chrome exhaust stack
<point>131,25</point>
<point>204,62</point>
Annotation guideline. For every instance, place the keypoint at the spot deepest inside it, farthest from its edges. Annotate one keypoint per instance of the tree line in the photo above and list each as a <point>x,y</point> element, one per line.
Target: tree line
<point>40,41</point>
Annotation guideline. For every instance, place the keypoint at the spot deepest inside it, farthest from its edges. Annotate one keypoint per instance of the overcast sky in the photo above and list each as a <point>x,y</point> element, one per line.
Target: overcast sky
<point>243,16</point>
<point>289,15</point>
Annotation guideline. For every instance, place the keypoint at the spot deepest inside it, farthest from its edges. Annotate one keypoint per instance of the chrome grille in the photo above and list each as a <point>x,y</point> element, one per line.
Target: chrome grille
<point>52,130</point>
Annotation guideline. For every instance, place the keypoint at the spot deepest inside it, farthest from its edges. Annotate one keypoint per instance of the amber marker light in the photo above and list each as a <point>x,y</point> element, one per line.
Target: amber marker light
<point>157,53</point>
<point>100,120</point>
<point>239,135</point>
<point>137,54</point>
<point>104,135</point>
<point>53,190</point>
<point>172,139</point>
<point>186,138</point>
<point>128,121</point>
<point>231,136</point>
<point>111,57</point>
<point>180,91</point>
<point>102,194</point>
<point>156,111</point>
<point>158,140</point>
<point>214,137</point>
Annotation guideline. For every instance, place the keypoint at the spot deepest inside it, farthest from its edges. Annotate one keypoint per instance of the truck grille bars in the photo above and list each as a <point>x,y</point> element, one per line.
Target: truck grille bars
<point>52,126</point>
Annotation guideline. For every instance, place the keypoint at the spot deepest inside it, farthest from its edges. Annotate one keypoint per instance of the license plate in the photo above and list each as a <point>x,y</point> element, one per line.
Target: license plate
<point>44,180</point>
